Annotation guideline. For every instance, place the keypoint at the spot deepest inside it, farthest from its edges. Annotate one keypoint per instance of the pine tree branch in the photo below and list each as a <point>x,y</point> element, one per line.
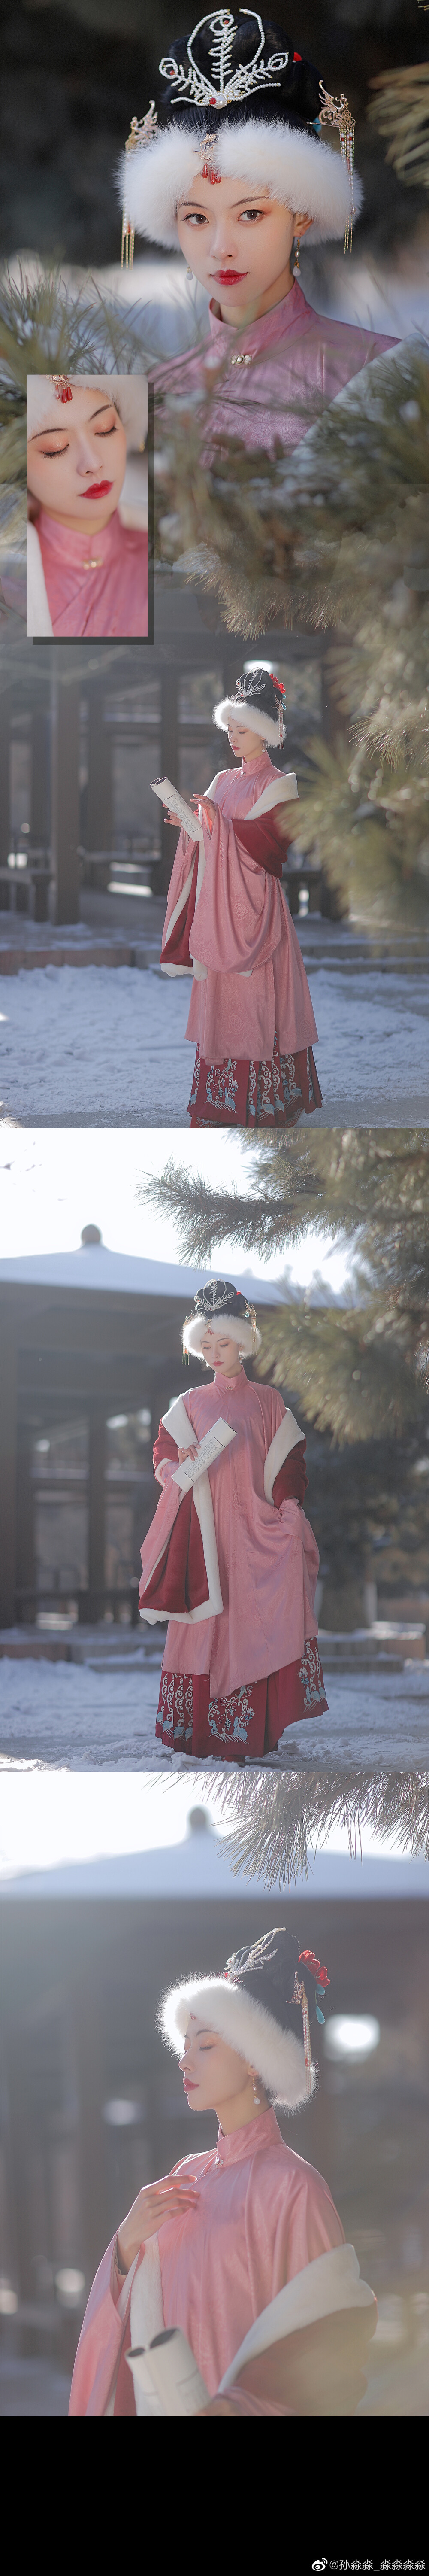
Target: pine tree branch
<point>281,1822</point>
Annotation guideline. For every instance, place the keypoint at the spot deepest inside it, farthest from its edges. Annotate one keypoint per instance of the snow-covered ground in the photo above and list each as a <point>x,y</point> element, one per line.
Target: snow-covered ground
<point>84,1719</point>
<point>107,1047</point>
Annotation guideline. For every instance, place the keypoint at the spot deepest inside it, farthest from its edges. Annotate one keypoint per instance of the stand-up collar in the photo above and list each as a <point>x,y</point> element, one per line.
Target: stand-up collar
<point>246,2142</point>
<point>74,546</point>
<point>253,337</point>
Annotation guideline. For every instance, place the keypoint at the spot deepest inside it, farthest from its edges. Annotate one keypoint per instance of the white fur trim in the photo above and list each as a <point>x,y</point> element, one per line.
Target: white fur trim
<point>283,788</point>
<point>170,968</point>
<point>246,2026</point>
<point>39,621</point>
<point>285,1438</point>
<point>301,173</point>
<point>251,717</point>
<point>330,2284</point>
<point>238,1331</point>
<point>178,1423</point>
<point>131,392</point>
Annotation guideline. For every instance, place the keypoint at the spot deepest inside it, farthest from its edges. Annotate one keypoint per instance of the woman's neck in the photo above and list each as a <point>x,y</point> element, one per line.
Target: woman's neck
<point>241,2111</point>
<point>241,320</point>
<point>227,1372</point>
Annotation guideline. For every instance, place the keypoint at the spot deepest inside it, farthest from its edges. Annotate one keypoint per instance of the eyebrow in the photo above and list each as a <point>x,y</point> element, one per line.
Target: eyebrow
<point>63,424</point>
<point>257,193</point>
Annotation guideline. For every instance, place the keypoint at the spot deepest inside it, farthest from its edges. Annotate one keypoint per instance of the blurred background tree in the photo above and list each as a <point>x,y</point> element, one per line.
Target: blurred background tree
<point>354,1368</point>
<point>332,536</point>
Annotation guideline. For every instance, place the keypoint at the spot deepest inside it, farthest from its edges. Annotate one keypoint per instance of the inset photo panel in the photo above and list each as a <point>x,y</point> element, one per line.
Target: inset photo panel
<point>87,484</point>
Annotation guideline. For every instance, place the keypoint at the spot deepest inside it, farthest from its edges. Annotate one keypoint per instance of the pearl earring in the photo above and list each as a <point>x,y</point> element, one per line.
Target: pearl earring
<point>296,265</point>
<point>256,2096</point>
<point>189,272</point>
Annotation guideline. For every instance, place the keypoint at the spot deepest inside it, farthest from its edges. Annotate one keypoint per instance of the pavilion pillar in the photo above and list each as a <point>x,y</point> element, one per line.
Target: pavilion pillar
<point>96,1502</point>
<point>65,707</point>
<point>25,1523</point>
<point>40,819</point>
<point>169,765</point>
<point>99,802</point>
<point>8,1466</point>
<point>5,716</point>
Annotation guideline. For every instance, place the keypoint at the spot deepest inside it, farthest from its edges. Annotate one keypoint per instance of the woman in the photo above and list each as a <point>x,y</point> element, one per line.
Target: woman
<point>233,1563</point>
<point>211,2246</point>
<point>87,572</point>
<point>229,166</point>
<point>228,923</point>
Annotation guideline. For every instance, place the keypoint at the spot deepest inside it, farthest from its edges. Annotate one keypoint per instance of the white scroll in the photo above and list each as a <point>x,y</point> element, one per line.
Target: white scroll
<point>210,1449</point>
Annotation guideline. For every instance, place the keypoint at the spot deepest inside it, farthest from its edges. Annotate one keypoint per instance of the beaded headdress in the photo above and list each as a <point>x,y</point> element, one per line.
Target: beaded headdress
<point>234,99</point>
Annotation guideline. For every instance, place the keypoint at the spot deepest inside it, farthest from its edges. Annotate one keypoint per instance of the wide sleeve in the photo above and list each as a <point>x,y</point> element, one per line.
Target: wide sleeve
<point>262,842</point>
<point>237,920</point>
<point>100,2342</point>
<point>165,1455</point>
<point>179,916</point>
<point>290,1486</point>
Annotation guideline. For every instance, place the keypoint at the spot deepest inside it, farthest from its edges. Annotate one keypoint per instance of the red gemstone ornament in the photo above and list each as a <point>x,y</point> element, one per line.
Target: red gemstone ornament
<point>67,395</point>
<point>321,1974</point>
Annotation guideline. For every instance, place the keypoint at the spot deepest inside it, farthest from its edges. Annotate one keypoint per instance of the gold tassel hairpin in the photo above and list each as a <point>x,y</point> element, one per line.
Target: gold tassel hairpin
<point>140,133</point>
<point>253,1324</point>
<point>300,1997</point>
<point>336,111</point>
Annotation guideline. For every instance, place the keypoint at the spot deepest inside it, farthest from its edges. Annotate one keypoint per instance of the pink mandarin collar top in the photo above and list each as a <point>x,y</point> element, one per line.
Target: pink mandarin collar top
<point>96,585</point>
<point>262,2214</point>
<point>271,379</point>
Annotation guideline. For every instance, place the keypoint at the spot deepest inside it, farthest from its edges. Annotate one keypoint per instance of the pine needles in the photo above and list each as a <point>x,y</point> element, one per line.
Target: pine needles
<point>279,1823</point>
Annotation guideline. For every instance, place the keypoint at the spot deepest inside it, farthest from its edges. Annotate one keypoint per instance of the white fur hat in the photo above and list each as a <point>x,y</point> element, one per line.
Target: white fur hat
<point>220,1306</point>
<point>260,701</point>
<point>299,172</point>
<point>129,392</point>
<point>253,2008</point>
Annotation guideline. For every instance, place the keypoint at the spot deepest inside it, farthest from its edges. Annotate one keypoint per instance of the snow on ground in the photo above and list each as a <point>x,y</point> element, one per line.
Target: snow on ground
<point>106,1046</point>
<point>80,1718</point>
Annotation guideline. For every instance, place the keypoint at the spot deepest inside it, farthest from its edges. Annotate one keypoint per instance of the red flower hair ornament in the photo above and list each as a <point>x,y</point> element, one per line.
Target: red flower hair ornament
<point>307,1959</point>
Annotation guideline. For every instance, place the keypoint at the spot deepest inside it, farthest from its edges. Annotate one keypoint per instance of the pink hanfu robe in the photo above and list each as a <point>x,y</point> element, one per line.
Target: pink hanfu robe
<point>271,380</point>
<point>109,599</point>
<point>241,1661</point>
<point>262,2216</point>
<point>228,922</point>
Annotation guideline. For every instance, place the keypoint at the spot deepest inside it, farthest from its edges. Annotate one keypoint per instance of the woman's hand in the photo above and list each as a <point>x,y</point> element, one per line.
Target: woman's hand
<point>157,2202</point>
<point>188,1453</point>
<point>206,810</point>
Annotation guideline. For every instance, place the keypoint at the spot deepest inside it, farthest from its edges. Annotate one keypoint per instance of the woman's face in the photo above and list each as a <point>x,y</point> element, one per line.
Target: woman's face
<point>221,1351</point>
<point>244,744</point>
<point>238,243</point>
<point>213,2074</point>
<point>76,466</point>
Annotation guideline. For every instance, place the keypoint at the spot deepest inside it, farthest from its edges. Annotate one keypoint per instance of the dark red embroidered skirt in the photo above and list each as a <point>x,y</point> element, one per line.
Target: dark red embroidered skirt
<point>252,1719</point>
<point>239,1093</point>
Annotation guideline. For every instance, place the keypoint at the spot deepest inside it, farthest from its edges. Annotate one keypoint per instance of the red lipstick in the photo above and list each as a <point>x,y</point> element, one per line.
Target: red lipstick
<point>188,2086</point>
<point>96,491</point>
<point>229,276</point>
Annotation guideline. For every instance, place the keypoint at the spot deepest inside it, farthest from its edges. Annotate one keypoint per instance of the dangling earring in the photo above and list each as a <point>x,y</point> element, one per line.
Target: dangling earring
<point>189,272</point>
<point>256,2096</point>
<point>296,266</point>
